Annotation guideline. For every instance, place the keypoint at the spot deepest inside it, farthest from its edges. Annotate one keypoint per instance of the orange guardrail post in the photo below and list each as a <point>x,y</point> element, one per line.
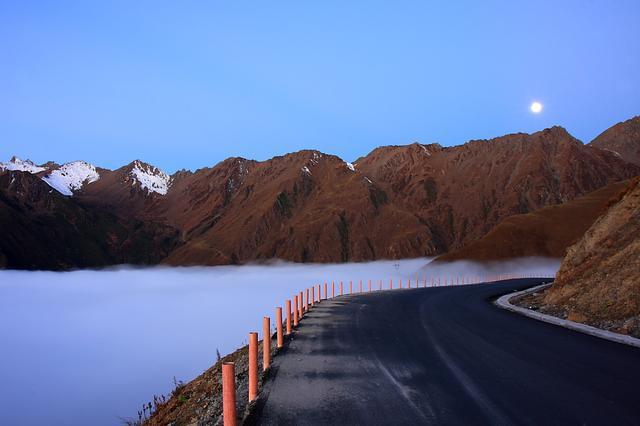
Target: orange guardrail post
<point>341,289</point>
<point>301,311</point>
<point>325,291</point>
<point>288,308</point>
<point>279,336</point>
<point>333,289</point>
<point>360,287</point>
<point>295,311</point>
<point>369,286</point>
<point>229,415</point>
<point>306,305</point>
<point>253,366</point>
<point>313,295</point>
<point>266,343</point>
<point>350,287</point>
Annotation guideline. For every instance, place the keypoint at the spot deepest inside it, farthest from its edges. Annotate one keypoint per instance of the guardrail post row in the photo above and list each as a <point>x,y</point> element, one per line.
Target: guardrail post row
<point>229,415</point>
<point>287,306</point>
<point>253,366</point>
<point>279,336</point>
<point>266,343</point>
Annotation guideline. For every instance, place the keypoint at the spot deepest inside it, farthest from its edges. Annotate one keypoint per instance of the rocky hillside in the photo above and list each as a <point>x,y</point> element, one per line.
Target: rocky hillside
<point>400,201</point>
<point>546,232</point>
<point>45,230</point>
<point>397,201</point>
<point>622,139</point>
<point>598,279</point>
<point>462,192</point>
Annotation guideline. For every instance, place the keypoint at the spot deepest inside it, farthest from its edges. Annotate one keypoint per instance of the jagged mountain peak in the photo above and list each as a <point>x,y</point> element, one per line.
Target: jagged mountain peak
<point>16,163</point>
<point>149,178</point>
<point>71,177</point>
<point>623,139</point>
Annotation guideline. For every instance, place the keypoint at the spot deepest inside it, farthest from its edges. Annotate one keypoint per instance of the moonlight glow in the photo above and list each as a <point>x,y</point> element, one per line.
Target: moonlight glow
<point>536,107</point>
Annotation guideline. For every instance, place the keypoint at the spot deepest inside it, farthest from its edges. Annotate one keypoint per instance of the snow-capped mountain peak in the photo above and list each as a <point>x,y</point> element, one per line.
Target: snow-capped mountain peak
<point>150,178</point>
<point>21,165</point>
<point>70,177</point>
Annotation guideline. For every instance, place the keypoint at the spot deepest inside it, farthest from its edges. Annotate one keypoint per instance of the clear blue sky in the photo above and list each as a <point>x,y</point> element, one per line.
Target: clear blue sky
<point>187,84</point>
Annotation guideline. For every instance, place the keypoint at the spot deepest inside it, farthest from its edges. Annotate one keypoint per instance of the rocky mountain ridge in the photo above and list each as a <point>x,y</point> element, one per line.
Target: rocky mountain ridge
<point>397,201</point>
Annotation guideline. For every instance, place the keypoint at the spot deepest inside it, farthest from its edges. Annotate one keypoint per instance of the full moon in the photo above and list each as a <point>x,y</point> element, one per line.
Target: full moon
<point>536,107</point>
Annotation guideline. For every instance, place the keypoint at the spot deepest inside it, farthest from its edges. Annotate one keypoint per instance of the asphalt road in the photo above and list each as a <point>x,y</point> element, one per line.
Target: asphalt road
<point>446,356</point>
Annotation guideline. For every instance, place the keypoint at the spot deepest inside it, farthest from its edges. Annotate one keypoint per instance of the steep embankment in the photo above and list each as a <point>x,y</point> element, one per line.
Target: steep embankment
<point>546,232</point>
<point>598,280</point>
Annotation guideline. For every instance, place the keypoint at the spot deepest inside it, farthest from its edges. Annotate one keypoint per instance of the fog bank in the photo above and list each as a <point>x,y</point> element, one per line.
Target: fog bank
<point>88,347</point>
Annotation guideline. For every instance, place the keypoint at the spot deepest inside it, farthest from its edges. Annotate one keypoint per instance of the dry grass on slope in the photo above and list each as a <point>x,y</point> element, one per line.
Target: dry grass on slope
<point>546,232</point>
<point>599,279</point>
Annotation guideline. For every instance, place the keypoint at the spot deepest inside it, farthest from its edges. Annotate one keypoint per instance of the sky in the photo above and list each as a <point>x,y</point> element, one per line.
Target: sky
<point>187,84</point>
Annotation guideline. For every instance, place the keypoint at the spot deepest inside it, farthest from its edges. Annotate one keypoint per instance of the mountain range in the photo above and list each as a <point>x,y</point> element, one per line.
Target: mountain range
<point>307,206</point>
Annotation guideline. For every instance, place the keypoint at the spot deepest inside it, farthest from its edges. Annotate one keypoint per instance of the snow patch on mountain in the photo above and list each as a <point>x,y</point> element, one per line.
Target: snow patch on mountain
<point>350,166</point>
<point>70,177</point>
<point>315,157</point>
<point>306,170</point>
<point>615,152</point>
<point>21,165</point>
<point>151,178</point>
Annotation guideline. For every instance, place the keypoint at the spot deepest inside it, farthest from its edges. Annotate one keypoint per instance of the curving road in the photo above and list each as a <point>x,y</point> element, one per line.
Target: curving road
<point>446,356</point>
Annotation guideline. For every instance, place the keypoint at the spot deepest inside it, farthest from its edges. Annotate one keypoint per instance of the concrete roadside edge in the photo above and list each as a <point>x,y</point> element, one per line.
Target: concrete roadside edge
<point>504,303</point>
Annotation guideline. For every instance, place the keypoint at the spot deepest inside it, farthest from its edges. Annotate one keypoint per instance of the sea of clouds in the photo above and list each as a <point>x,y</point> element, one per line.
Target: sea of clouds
<point>90,347</point>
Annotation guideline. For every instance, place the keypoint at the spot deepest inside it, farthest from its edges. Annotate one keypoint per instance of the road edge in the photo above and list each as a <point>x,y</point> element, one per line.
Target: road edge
<point>504,302</point>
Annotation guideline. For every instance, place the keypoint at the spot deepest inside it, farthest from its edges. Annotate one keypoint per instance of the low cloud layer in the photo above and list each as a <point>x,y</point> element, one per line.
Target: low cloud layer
<point>87,347</point>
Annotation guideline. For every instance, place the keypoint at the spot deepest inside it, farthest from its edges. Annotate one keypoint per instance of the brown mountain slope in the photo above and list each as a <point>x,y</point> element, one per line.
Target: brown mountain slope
<point>305,206</point>
<point>598,279</point>
<point>546,232</point>
<point>405,201</point>
<point>398,201</point>
<point>41,229</point>
<point>623,139</point>
<point>462,192</point>
<point>119,192</point>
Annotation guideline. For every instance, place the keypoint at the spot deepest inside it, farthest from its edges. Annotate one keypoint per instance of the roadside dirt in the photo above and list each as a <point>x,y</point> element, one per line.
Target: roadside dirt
<point>537,302</point>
